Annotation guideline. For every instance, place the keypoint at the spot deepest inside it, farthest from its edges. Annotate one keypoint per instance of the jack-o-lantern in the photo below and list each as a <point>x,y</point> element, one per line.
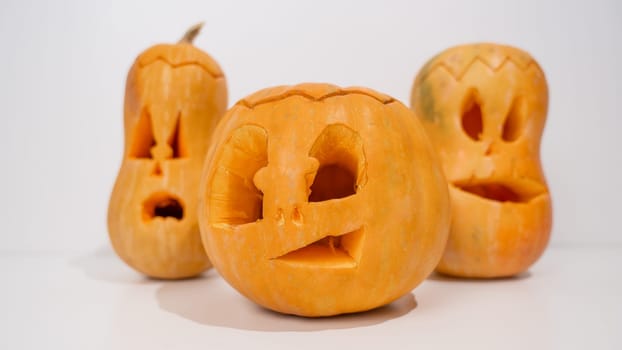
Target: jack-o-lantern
<point>484,107</point>
<point>175,95</point>
<point>318,200</point>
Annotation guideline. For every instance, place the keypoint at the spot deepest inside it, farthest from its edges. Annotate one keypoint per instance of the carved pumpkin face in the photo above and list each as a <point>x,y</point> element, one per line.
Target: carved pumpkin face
<point>484,107</point>
<point>175,96</point>
<point>318,200</point>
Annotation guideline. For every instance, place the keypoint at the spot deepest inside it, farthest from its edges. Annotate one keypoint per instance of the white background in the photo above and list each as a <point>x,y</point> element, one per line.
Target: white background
<point>63,66</point>
<point>62,74</point>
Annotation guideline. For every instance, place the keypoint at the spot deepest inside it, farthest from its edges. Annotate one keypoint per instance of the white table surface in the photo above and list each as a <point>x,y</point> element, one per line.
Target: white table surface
<point>569,299</point>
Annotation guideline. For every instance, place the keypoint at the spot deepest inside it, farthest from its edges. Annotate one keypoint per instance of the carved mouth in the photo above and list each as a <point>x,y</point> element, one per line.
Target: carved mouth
<point>514,192</point>
<point>162,205</point>
<point>341,251</point>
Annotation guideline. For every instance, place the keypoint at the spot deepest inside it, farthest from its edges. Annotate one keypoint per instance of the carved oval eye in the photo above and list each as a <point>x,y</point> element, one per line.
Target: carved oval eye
<point>471,117</point>
<point>339,151</point>
<point>234,199</point>
<point>513,124</point>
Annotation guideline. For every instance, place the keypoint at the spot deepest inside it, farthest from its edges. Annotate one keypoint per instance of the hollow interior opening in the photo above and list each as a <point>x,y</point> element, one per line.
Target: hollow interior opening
<point>495,192</point>
<point>234,199</point>
<point>513,122</point>
<point>170,208</point>
<point>339,150</point>
<point>472,122</point>
<point>343,251</point>
<point>332,181</point>
<point>163,205</point>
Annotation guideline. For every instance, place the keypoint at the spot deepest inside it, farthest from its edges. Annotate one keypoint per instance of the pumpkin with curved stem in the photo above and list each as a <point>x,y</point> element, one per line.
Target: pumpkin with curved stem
<point>318,200</point>
<point>484,107</point>
<point>175,95</point>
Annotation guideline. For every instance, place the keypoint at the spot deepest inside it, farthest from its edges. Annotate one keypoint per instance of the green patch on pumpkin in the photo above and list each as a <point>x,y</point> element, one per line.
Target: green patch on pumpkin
<point>427,101</point>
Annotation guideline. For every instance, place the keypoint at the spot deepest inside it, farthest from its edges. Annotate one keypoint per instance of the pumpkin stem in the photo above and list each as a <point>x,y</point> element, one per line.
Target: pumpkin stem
<point>191,33</point>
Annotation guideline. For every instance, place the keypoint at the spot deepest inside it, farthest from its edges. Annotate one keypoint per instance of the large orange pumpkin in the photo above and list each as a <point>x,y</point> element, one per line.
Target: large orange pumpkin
<point>484,107</point>
<point>318,200</point>
<point>175,95</point>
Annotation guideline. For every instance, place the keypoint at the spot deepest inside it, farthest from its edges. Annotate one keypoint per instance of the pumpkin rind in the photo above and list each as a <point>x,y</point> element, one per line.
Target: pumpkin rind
<point>372,229</point>
<point>484,107</point>
<point>175,95</point>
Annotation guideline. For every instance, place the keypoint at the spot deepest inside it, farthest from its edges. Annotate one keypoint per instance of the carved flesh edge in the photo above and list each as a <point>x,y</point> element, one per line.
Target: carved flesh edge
<point>234,199</point>
<point>341,251</point>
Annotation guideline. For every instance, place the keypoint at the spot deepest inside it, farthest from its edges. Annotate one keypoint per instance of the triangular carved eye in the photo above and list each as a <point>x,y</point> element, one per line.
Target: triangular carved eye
<point>177,140</point>
<point>142,138</point>
<point>513,125</point>
<point>234,198</point>
<point>339,151</point>
<point>471,117</point>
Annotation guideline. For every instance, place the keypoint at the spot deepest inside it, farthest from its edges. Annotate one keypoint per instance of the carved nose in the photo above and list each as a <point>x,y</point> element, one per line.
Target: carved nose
<point>489,149</point>
<point>161,151</point>
<point>294,215</point>
<point>492,148</point>
<point>297,218</point>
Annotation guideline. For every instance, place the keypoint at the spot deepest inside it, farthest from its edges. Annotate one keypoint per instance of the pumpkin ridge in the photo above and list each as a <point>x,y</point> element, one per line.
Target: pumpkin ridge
<point>291,93</point>
<point>215,75</point>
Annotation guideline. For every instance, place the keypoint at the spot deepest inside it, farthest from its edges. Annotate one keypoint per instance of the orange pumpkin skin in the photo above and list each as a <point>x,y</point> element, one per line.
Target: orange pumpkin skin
<point>318,200</point>
<point>484,106</point>
<point>175,95</point>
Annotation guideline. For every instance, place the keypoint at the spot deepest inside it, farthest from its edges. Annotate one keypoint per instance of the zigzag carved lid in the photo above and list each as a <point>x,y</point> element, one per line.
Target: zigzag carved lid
<point>459,59</point>
<point>180,55</point>
<point>311,91</point>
